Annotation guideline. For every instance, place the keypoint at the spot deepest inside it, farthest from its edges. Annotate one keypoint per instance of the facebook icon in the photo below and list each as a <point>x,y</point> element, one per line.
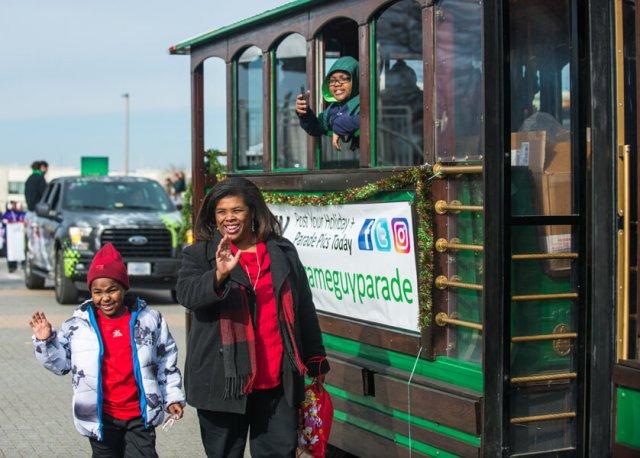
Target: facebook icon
<point>364,238</point>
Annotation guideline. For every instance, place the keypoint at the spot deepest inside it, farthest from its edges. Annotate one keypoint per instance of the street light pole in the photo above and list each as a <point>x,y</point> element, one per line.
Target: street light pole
<point>126,133</point>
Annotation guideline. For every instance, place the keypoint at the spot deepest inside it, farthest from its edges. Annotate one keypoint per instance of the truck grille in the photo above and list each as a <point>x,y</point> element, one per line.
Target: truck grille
<point>158,242</point>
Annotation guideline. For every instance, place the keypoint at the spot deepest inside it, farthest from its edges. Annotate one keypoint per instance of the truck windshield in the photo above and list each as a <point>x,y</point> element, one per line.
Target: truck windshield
<point>115,196</point>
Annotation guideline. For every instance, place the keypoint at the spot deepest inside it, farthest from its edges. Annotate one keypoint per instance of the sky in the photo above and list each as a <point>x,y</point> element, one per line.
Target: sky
<point>65,65</point>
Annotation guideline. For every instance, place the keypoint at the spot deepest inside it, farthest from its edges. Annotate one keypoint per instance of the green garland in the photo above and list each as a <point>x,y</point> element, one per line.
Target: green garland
<point>187,213</point>
<point>416,177</point>
<point>214,168</point>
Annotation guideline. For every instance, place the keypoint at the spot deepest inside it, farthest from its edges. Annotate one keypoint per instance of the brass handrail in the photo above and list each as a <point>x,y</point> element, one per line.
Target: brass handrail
<point>442,282</point>
<point>530,256</point>
<point>443,245</point>
<point>442,319</point>
<point>440,170</point>
<point>543,297</point>
<point>541,337</point>
<point>442,206</point>
<point>547,417</point>
<point>623,243</point>
<point>543,377</point>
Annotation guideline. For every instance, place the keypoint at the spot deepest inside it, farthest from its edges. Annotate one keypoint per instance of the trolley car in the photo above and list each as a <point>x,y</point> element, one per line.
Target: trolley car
<point>524,115</point>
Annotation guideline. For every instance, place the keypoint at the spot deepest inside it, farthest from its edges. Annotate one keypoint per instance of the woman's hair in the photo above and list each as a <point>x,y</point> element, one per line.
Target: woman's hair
<point>263,221</point>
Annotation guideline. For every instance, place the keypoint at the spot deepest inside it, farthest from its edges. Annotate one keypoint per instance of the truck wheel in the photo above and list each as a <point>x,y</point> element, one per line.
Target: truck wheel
<point>31,280</point>
<point>66,291</point>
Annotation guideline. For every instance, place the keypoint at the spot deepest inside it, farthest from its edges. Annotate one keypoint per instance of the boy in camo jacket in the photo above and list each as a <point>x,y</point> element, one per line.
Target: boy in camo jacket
<point>122,359</point>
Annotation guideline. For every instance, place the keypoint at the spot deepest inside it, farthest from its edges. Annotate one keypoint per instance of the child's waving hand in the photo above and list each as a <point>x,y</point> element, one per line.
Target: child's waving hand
<point>40,326</point>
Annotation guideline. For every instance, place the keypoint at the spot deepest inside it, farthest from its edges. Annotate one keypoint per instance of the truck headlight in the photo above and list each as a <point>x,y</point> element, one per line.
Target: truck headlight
<point>77,234</point>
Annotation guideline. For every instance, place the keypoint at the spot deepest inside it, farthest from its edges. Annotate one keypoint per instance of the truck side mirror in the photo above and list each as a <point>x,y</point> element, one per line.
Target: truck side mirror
<point>42,209</point>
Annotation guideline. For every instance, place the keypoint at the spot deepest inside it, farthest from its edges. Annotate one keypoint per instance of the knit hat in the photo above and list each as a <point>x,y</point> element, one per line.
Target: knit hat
<point>108,263</point>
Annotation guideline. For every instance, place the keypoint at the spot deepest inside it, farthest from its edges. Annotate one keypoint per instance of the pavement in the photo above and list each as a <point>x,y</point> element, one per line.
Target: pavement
<point>35,404</point>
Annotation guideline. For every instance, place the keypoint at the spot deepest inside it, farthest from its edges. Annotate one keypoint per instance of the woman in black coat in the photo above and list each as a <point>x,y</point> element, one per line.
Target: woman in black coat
<point>254,329</point>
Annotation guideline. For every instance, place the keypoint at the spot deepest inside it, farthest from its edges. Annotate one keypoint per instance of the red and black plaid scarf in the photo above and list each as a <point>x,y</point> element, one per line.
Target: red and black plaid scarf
<point>239,346</point>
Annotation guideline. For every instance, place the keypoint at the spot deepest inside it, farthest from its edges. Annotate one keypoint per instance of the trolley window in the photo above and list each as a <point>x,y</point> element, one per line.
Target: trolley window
<point>459,81</point>
<point>290,75</point>
<point>337,39</point>
<point>248,116</point>
<point>399,71</point>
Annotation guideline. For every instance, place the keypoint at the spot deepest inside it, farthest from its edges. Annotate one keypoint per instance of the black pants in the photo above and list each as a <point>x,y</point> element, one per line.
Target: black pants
<point>124,438</point>
<point>272,424</point>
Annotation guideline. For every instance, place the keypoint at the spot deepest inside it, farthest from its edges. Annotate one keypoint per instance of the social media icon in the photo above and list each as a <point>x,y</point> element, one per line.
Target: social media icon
<point>364,237</point>
<point>382,236</point>
<point>401,236</point>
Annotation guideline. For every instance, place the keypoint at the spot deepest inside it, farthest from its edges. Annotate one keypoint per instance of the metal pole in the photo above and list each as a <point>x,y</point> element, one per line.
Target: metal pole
<point>126,133</point>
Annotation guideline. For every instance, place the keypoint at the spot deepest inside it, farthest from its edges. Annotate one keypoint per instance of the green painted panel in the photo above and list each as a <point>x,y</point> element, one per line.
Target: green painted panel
<point>397,438</point>
<point>628,417</point>
<point>370,402</point>
<point>459,373</point>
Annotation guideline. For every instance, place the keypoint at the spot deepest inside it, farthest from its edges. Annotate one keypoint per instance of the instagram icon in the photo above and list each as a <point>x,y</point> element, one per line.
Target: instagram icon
<point>401,239</point>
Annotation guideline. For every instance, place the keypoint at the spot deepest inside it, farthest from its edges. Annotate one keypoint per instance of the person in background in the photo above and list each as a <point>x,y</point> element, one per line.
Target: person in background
<point>168,186</point>
<point>179,183</point>
<point>254,329</point>
<point>124,346</point>
<point>401,91</point>
<point>12,215</point>
<point>341,119</point>
<point>179,187</point>
<point>36,184</point>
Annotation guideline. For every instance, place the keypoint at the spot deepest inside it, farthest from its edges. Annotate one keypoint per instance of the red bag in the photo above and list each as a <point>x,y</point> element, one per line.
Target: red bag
<point>316,416</point>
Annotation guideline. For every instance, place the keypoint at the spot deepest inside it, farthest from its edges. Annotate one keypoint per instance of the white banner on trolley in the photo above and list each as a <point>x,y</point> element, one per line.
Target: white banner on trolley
<point>359,259</point>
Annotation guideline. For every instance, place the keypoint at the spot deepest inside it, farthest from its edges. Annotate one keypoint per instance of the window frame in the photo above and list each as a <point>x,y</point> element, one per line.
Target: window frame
<point>319,71</point>
<point>234,89</point>
<point>53,199</point>
<point>373,84</point>
<point>274,107</point>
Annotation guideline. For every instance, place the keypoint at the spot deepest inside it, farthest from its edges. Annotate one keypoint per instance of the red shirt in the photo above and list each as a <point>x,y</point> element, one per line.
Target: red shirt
<point>120,393</point>
<point>269,348</point>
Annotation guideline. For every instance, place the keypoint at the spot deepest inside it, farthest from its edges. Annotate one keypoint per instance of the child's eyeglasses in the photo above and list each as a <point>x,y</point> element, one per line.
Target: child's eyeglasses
<point>338,81</point>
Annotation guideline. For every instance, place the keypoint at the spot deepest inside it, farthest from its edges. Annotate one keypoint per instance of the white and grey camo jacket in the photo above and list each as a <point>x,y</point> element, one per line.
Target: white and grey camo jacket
<point>78,348</point>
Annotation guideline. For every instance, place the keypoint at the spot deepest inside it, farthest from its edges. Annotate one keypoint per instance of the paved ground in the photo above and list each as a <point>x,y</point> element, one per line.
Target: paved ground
<point>35,405</point>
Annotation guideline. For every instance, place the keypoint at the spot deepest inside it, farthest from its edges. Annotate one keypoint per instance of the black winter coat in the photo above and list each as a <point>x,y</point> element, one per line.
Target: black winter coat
<point>34,188</point>
<point>204,370</point>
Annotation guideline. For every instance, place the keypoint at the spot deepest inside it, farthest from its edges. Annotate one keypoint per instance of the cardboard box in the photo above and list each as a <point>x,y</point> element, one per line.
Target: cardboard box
<point>551,172</point>
<point>527,150</point>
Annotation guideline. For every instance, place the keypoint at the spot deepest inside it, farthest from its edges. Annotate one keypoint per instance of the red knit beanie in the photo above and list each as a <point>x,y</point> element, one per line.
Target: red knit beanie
<point>108,263</point>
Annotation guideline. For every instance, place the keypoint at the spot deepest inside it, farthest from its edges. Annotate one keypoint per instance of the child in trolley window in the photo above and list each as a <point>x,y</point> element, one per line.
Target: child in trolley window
<point>341,119</point>
<point>122,359</point>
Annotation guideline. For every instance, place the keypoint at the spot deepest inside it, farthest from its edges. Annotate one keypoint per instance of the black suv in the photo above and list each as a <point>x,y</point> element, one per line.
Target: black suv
<point>77,215</point>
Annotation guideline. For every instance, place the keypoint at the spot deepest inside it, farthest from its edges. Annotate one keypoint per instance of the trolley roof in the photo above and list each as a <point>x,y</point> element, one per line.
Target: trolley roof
<point>184,47</point>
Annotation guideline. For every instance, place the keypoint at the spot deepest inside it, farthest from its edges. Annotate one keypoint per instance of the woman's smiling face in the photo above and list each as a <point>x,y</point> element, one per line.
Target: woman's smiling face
<point>340,85</point>
<point>233,218</point>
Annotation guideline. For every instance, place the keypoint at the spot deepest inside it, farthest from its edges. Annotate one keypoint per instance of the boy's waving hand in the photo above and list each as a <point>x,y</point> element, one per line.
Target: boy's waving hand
<point>40,326</point>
